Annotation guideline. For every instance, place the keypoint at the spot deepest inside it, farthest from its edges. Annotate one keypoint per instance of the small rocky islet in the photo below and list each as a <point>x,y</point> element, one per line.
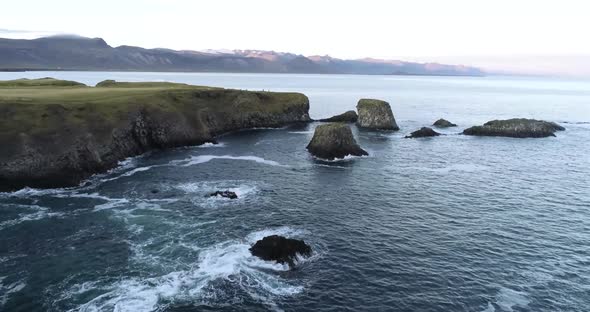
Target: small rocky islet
<point>58,139</point>
<point>334,140</point>
<point>280,249</point>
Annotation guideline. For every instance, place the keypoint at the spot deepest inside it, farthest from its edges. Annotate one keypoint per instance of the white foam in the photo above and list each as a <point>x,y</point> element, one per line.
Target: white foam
<point>209,144</point>
<point>302,132</point>
<point>454,167</point>
<point>130,173</point>
<point>195,160</point>
<point>6,290</point>
<point>41,213</point>
<point>507,299</point>
<point>230,261</point>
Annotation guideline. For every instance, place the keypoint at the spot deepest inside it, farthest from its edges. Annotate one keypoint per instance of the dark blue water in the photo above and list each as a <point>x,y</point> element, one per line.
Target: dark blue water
<point>452,223</point>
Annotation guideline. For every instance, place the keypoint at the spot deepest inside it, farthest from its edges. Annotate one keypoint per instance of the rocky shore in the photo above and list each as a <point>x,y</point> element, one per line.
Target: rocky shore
<point>56,134</point>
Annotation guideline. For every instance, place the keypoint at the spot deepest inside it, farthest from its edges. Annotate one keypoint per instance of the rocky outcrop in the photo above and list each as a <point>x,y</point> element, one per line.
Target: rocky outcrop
<point>280,249</point>
<point>225,194</point>
<point>349,116</point>
<point>443,123</point>
<point>58,139</point>
<point>334,140</point>
<point>423,133</point>
<point>376,115</point>
<point>516,128</point>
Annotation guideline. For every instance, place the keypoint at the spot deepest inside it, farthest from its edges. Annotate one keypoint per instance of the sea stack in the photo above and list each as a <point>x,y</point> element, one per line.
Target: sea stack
<point>376,115</point>
<point>443,123</point>
<point>334,140</point>
<point>423,132</point>
<point>349,116</point>
<point>516,128</point>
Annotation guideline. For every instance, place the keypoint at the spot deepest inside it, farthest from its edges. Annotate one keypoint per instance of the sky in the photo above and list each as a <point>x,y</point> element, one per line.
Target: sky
<point>537,37</point>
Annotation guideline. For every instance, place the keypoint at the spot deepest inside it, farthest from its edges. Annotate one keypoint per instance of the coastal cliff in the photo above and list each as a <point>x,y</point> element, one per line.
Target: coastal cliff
<point>56,134</point>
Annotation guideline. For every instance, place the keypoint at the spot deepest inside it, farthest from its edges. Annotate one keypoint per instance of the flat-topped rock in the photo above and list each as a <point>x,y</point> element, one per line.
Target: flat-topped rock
<point>375,114</point>
<point>423,132</point>
<point>516,128</point>
<point>349,116</point>
<point>334,140</point>
<point>443,123</point>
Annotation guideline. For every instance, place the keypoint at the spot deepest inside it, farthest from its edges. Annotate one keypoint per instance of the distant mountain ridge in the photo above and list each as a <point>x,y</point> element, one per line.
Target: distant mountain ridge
<point>81,53</point>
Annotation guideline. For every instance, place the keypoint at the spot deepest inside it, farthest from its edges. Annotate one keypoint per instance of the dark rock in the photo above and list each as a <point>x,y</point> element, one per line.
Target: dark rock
<point>155,191</point>
<point>443,123</point>
<point>516,128</point>
<point>280,249</point>
<point>226,194</point>
<point>349,116</point>
<point>334,140</point>
<point>375,114</point>
<point>423,133</point>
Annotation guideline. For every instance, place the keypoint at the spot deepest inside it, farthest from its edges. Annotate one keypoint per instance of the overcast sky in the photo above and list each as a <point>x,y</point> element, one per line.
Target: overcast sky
<point>502,34</point>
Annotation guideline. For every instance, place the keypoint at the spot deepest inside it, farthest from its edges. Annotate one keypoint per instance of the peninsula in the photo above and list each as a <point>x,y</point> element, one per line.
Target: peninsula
<point>57,133</point>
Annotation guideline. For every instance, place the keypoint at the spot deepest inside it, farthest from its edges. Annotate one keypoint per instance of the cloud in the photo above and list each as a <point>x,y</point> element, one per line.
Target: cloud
<point>25,34</point>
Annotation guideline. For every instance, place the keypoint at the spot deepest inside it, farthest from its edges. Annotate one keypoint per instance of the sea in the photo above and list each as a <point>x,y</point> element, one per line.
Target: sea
<point>451,223</point>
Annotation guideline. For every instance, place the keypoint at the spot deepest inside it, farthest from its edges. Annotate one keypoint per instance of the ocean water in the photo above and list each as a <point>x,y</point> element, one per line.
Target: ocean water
<point>452,223</point>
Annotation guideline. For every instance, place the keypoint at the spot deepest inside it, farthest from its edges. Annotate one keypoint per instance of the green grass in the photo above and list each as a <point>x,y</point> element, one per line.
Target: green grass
<point>371,102</point>
<point>49,105</point>
<point>41,82</point>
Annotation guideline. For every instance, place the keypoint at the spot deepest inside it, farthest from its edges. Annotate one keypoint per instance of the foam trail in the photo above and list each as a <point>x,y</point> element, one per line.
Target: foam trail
<point>230,261</point>
<point>195,160</point>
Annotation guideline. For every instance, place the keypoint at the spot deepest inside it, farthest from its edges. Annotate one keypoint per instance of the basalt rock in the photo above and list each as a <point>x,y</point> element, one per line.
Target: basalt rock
<point>58,139</point>
<point>423,133</point>
<point>376,115</point>
<point>334,140</point>
<point>280,249</point>
<point>226,194</point>
<point>516,128</point>
<point>349,116</point>
<point>443,123</point>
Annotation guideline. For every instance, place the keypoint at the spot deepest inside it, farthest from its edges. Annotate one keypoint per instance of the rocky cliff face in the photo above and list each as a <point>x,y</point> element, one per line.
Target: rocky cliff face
<point>375,114</point>
<point>60,141</point>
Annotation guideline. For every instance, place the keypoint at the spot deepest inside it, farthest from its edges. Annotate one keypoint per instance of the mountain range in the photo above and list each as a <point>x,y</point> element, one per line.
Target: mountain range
<point>81,53</point>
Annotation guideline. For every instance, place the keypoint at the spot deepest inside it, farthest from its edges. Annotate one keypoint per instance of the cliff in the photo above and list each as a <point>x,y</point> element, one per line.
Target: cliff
<point>56,134</point>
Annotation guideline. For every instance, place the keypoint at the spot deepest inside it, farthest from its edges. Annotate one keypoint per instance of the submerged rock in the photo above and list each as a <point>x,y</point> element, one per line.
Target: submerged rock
<point>422,133</point>
<point>334,140</point>
<point>280,249</point>
<point>516,128</point>
<point>375,114</point>
<point>443,123</point>
<point>349,116</point>
<point>226,194</point>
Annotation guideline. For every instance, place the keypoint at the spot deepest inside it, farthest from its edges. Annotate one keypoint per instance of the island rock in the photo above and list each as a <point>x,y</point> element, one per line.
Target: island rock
<point>516,128</point>
<point>349,116</point>
<point>280,249</point>
<point>375,114</point>
<point>226,194</point>
<point>443,123</point>
<point>334,140</point>
<point>423,133</point>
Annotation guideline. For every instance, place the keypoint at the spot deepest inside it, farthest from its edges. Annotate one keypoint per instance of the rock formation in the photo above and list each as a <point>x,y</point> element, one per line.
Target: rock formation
<point>423,133</point>
<point>375,114</point>
<point>349,116</point>
<point>334,140</point>
<point>280,249</point>
<point>58,139</point>
<point>225,194</point>
<point>516,128</point>
<point>443,123</point>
